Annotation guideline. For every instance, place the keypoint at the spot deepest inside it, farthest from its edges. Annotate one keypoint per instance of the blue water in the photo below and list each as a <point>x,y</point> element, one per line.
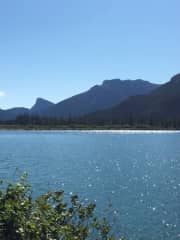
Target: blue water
<point>138,173</point>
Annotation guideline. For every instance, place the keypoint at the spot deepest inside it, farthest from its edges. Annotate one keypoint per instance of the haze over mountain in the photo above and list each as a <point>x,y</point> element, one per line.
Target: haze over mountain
<point>162,103</point>
<point>99,97</point>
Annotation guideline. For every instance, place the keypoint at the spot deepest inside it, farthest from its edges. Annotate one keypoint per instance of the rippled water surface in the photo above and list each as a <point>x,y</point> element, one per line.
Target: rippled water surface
<point>138,173</point>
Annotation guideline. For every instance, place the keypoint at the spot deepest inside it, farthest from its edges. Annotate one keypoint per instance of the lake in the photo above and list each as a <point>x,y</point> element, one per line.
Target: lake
<point>137,172</point>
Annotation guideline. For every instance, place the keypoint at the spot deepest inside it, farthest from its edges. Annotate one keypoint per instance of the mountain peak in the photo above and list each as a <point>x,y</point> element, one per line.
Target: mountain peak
<point>41,100</point>
<point>126,81</point>
<point>40,105</point>
<point>112,81</point>
<point>176,78</point>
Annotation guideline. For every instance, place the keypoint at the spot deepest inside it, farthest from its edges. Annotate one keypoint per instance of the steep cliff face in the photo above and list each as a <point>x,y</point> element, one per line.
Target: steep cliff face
<point>40,105</point>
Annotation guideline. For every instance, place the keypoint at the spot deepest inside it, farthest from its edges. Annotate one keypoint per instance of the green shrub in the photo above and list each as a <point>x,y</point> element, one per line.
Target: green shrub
<point>48,217</point>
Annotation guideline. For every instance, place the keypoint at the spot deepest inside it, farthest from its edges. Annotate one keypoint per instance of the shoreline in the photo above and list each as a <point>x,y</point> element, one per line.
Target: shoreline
<point>95,129</point>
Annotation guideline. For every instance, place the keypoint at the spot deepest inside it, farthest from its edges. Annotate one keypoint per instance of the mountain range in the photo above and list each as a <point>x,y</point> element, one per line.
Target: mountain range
<point>97,98</point>
<point>163,103</point>
<point>114,101</point>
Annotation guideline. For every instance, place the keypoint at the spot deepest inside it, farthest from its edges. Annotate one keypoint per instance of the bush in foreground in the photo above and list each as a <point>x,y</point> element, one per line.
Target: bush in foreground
<point>49,217</point>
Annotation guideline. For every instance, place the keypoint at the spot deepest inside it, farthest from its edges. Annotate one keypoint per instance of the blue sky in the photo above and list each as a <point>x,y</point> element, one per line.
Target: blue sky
<point>57,48</point>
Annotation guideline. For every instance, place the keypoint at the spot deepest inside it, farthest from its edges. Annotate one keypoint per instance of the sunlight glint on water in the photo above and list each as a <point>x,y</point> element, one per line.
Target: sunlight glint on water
<point>139,173</point>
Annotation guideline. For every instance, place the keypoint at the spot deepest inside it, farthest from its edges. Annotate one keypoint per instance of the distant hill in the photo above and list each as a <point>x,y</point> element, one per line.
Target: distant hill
<point>162,103</point>
<point>11,114</point>
<point>40,105</point>
<point>99,97</point>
